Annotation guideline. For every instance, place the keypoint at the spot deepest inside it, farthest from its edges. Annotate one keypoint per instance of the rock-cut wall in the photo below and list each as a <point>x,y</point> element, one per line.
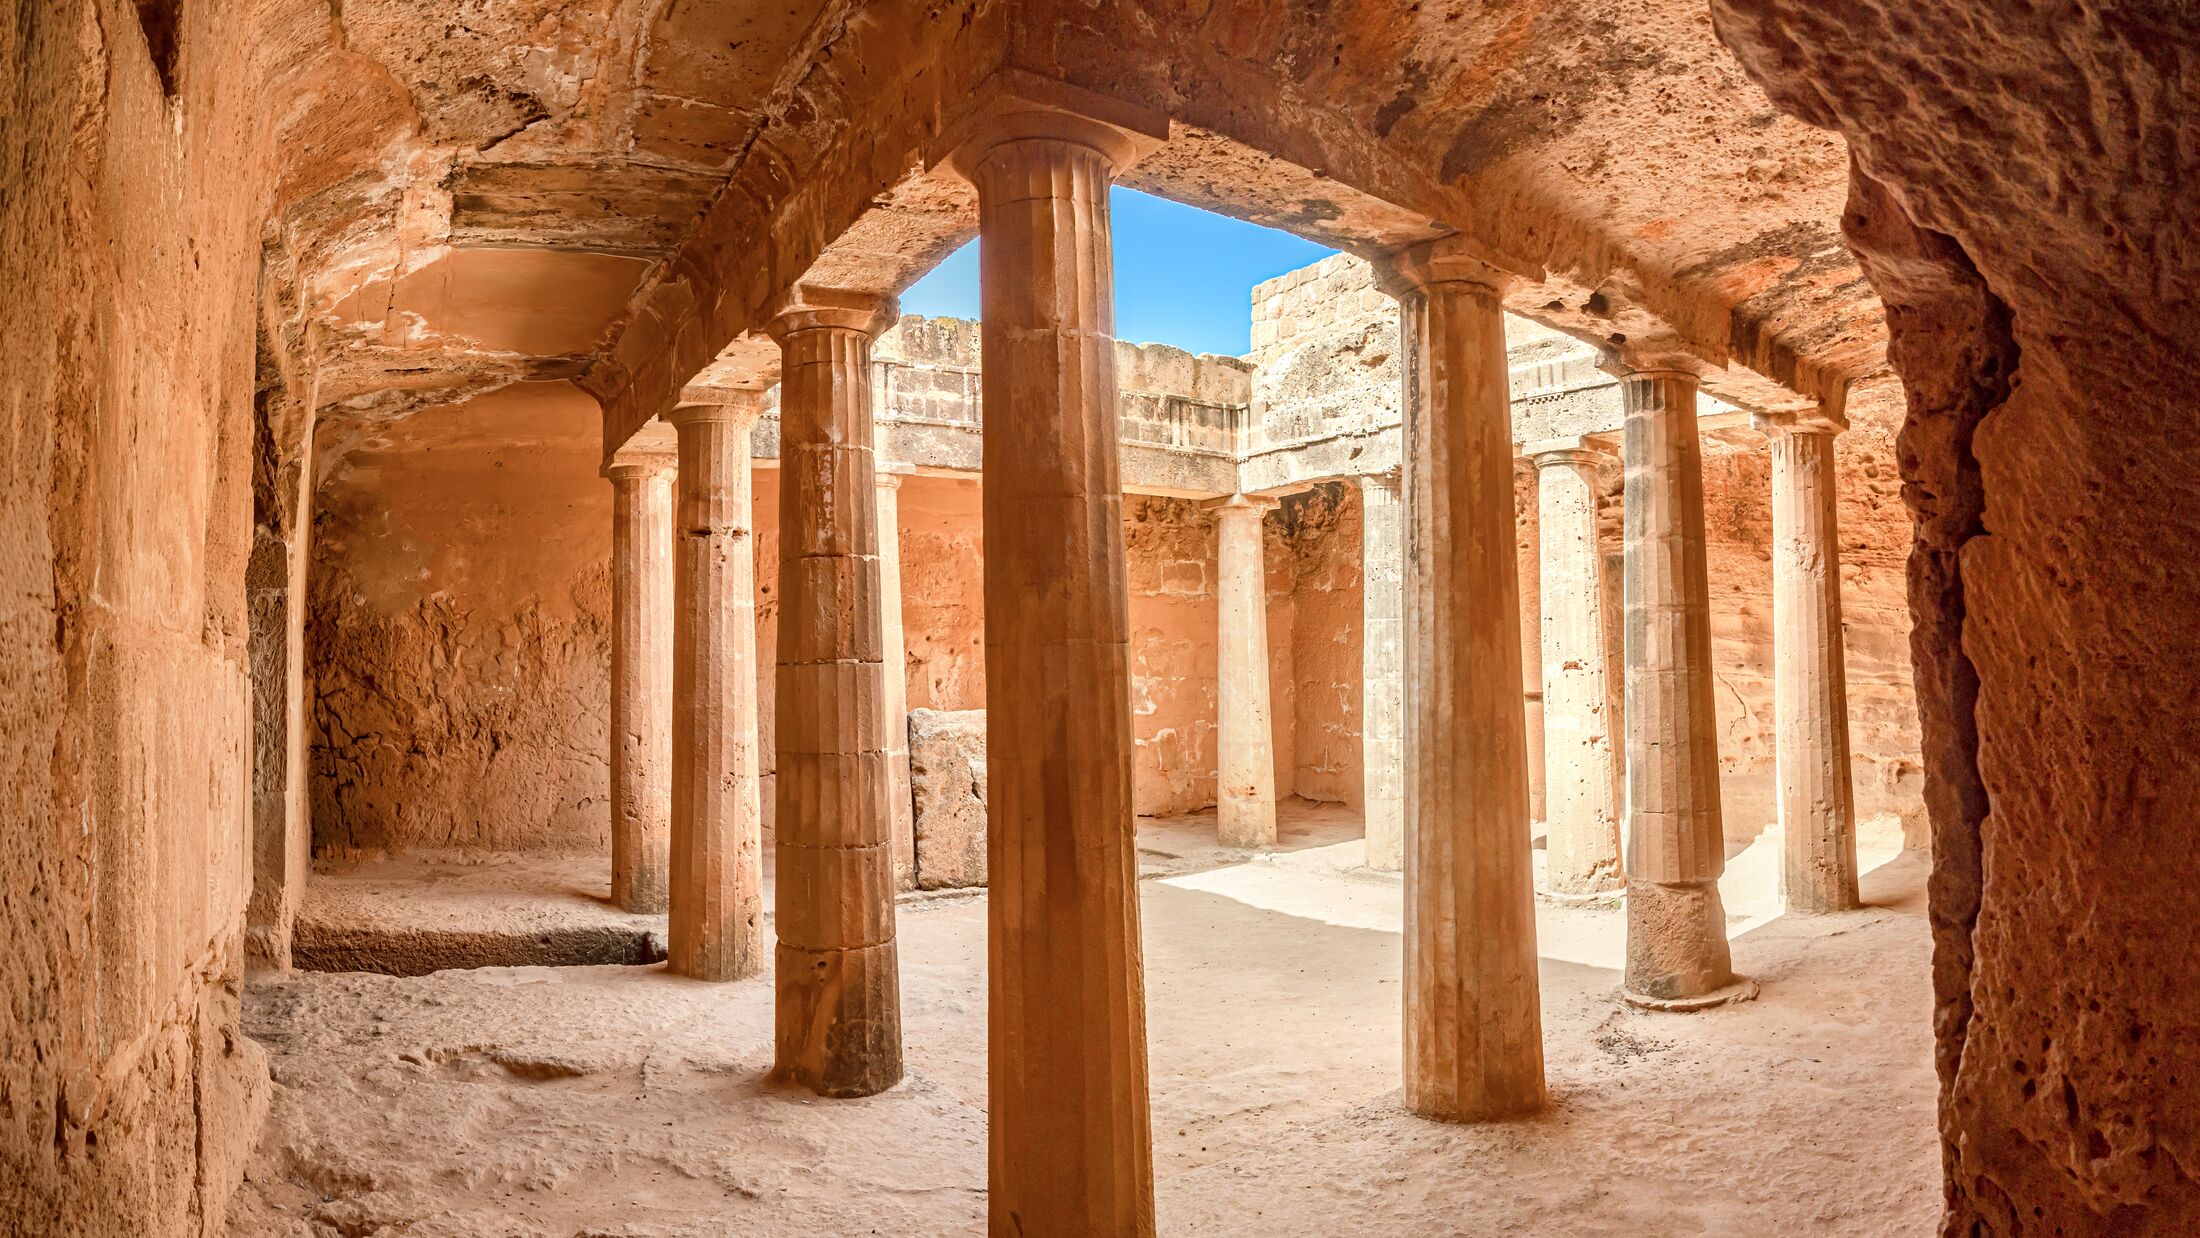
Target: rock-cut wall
<point>132,180</point>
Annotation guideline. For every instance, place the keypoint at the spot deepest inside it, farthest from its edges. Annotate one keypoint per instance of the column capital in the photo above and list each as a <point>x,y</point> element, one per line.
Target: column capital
<point>741,409</point>
<point>1663,357</point>
<point>1551,453</point>
<point>632,463</point>
<point>807,307</point>
<point>888,476</point>
<point>1446,260</point>
<point>1826,417</point>
<point>1256,505</point>
<point>1016,105</point>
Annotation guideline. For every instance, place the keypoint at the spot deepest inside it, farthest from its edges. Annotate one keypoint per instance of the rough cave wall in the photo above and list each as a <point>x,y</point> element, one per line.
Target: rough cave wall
<point>1326,646</point>
<point>943,592</point>
<point>2022,202</point>
<point>129,248</point>
<point>459,631</point>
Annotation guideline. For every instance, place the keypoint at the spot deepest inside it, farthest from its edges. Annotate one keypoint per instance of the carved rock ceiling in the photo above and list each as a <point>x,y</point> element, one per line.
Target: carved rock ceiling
<point>479,192</point>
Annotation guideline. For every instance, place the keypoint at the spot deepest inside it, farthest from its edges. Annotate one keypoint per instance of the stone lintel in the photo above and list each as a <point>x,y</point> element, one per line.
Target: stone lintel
<point>1015,104</point>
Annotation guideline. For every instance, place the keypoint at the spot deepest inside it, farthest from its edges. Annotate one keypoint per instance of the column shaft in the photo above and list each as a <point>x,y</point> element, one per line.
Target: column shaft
<point>1809,676</point>
<point>1582,830</point>
<point>1676,925</point>
<point>837,970</point>
<point>1245,812</point>
<point>641,681</point>
<point>1473,1020</point>
<point>1528,527</point>
<point>1070,1138</point>
<point>1382,672</point>
<point>894,694</point>
<point>716,925</point>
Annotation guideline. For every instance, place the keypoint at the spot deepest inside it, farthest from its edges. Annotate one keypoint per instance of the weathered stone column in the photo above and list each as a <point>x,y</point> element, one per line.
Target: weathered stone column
<point>1582,825</point>
<point>1677,955</point>
<point>717,896</point>
<point>1382,671</point>
<point>641,675</point>
<point>1528,529</point>
<point>1245,794</point>
<point>837,971</point>
<point>894,693</point>
<point>1069,1134</point>
<point>1809,673</point>
<point>1473,1018</point>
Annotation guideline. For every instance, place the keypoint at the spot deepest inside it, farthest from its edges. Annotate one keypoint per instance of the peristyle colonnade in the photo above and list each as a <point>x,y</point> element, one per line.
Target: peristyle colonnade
<point>1445,738</point>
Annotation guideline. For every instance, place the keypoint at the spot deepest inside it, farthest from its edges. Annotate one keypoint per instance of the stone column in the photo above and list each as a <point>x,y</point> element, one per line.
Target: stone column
<point>1473,1019</point>
<point>1582,825</point>
<point>1677,955</point>
<point>717,901</point>
<point>1809,675</point>
<point>1382,671</point>
<point>1069,1133</point>
<point>894,694</point>
<point>1245,794</point>
<point>641,676</point>
<point>1528,524</point>
<point>837,972</point>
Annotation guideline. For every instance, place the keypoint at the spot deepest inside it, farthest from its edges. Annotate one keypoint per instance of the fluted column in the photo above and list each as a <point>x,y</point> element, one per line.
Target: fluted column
<point>1068,1130</point>
<point>641,676</point>
<point>1473,1019</point>
<point>837,970</point>
<point>1245,795</point>
<point>1382,671</point>
<point>894,694</point>
<point>1809,671</point>
<point>1677,955</point>
<point>1582,815</point>
<point>1528,528</point>
<point>716,930</point>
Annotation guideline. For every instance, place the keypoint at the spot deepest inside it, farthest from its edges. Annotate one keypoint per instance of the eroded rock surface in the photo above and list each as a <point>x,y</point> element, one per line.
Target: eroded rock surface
<point>947,776</point>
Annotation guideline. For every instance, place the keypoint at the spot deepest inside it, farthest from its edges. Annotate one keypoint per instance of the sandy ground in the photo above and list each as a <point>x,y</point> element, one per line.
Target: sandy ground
<point>620,1101</point>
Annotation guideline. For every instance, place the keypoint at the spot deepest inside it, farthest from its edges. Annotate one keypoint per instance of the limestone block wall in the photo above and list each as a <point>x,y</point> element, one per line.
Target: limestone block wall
<point>1323,533</point>
<point>459,631</point>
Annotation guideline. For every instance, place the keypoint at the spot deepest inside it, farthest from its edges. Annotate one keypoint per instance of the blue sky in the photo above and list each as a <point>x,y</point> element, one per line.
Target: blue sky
<point>1183,276</point>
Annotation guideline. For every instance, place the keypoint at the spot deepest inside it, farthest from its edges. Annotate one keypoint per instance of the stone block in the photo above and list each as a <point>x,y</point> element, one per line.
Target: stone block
<point>947,781</point>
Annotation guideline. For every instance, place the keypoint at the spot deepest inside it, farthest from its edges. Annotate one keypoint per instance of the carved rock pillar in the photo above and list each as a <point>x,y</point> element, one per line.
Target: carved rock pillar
<point>1582,822</point>
<point>641,676</point>
<point>1473,1017</point>
<point>1677,956</point>
<point>716,929</point>
<point>1809,672</point>
<point>1245,794</point>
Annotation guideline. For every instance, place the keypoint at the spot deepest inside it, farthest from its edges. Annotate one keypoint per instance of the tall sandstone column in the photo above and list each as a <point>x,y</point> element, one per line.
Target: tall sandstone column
<point>1677,955</point>
<point>1473,1019</point>
<point>1582,821</point>
<point>1528,527</point>
<point>1809,672</point>
<point>1069,1135</point>
<point>641,676</point>
<point>837,974</point>
<point>894,694</point>
<point>1245,814</point>
<point>1382,671</point>
<point>716,929</point>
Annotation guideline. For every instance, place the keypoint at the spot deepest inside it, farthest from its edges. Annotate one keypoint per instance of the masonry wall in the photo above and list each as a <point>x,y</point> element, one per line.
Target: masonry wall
<point>129,250</point>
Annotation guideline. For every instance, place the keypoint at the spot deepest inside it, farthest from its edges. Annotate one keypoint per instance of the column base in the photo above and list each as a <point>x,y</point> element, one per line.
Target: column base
<point>1612,897</point>
<point>1743,989</point>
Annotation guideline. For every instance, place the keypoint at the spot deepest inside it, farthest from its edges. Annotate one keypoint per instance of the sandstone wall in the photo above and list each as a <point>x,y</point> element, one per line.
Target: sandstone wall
<point>1323,532</point>
<point>129,249</point>
<point>460,631</point>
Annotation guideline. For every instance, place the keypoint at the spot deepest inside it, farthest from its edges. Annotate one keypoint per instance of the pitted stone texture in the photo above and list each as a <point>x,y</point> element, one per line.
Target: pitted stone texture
<point>947,774</point>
